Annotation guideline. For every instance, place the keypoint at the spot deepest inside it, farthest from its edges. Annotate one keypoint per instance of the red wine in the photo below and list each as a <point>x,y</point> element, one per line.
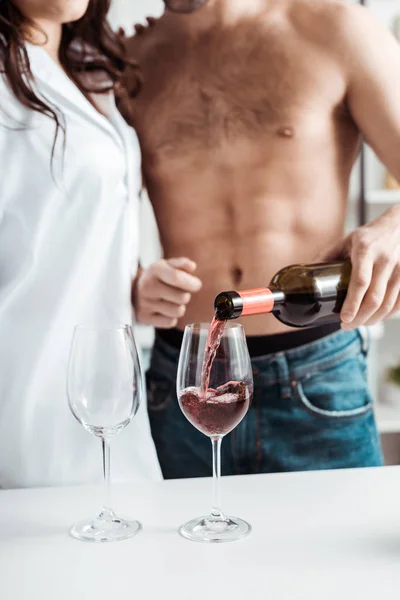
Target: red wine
<point>220,410</point>
<point>298,295</point>
<point>215,334</point>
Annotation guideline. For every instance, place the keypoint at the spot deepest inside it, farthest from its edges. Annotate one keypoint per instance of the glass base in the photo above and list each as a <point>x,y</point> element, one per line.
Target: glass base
<point>209,529</point>
<point>106,527</point>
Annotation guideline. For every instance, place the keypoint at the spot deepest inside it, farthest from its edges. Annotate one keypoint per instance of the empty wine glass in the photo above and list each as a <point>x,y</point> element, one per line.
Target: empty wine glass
<point>104,390</point>
<point>215,402</point>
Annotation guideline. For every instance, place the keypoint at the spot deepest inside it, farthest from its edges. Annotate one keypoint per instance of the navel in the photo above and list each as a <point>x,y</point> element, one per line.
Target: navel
<point>205,97</point>
<point>285,131</point>
<point>237,274</point>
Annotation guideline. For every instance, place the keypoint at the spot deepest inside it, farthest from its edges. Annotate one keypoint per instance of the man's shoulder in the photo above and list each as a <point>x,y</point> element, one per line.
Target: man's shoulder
<point>145,38</point>
<point>326,21</point>
<point>330,11</point>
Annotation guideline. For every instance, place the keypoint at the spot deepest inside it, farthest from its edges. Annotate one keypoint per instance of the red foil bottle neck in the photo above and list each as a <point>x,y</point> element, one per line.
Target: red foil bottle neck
<point>257,301</point>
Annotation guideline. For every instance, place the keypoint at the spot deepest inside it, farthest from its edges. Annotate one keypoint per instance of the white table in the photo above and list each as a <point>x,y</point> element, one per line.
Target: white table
<point>317,536</point>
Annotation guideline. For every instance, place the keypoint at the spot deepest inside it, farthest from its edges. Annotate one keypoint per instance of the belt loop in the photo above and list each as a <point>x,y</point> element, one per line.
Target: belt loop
<point>365,338</point>
<point>283,374</point>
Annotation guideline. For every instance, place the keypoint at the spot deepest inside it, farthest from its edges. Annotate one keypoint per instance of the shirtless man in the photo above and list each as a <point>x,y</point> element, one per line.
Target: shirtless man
<point>250,120</point>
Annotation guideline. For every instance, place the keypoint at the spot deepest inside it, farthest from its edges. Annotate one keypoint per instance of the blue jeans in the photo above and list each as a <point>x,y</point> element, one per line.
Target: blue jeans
<point>311,410</point>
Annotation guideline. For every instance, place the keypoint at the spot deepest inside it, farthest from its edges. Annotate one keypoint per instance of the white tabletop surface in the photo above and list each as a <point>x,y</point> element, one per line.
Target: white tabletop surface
<point>317,536</point>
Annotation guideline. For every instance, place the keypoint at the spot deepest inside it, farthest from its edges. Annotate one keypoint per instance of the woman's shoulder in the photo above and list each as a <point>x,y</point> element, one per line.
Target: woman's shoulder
<point>6,91</point>
<point>5,88</point>
<point>10,107</point>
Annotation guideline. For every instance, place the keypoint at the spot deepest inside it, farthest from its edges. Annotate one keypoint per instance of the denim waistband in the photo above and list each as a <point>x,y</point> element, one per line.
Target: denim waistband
<point>296,363</point>
<point>257,344</point>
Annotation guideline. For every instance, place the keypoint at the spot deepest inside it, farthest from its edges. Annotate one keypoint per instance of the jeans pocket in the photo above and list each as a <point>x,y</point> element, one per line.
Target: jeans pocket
<point>160,391</point>
<point>340,392</point>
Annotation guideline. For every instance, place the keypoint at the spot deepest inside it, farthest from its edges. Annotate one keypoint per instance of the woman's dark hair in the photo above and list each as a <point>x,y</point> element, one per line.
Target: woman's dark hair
<point>88,46</point>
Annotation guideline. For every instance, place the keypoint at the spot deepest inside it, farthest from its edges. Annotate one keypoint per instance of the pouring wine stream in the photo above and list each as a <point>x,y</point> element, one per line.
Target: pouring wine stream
<point>216,332</point>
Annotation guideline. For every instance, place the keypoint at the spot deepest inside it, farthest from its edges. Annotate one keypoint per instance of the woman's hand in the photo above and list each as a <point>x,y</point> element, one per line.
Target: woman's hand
<point>161,292</point>
<point>140,29</point>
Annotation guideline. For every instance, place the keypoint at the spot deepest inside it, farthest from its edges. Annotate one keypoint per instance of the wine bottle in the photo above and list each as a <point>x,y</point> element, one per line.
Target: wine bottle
<point>298,295</point>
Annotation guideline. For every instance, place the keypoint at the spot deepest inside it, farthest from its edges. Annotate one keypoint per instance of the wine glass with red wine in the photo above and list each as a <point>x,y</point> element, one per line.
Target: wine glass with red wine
<point>215,389</point>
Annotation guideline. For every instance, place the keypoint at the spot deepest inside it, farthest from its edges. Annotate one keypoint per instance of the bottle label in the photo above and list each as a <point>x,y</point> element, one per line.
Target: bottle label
<point>257,301</point>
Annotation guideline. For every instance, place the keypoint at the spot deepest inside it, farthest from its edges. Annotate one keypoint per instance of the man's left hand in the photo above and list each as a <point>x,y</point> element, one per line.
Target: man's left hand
<point>374,289</point>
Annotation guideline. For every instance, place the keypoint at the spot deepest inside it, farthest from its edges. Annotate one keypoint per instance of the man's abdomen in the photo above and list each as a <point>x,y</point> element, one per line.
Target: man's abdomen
<point>243,214</point>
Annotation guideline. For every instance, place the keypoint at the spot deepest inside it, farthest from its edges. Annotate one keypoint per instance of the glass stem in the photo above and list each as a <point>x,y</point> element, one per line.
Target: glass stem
<point>106,476</point>
<point>216,512</point>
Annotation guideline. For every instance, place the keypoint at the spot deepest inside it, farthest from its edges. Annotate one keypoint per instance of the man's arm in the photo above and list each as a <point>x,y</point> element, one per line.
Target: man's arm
<point>373,62</point>
<point>370,57</point>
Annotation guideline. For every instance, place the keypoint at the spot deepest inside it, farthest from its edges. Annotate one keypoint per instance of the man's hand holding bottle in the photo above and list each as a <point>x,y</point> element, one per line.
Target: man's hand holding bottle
<point>374,289</point>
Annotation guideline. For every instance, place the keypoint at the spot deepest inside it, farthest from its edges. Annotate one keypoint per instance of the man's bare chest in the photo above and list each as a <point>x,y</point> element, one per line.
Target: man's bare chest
<point>213,97</point>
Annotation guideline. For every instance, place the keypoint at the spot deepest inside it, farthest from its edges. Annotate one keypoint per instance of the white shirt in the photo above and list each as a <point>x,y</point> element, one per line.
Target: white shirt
<point>68,251</point>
